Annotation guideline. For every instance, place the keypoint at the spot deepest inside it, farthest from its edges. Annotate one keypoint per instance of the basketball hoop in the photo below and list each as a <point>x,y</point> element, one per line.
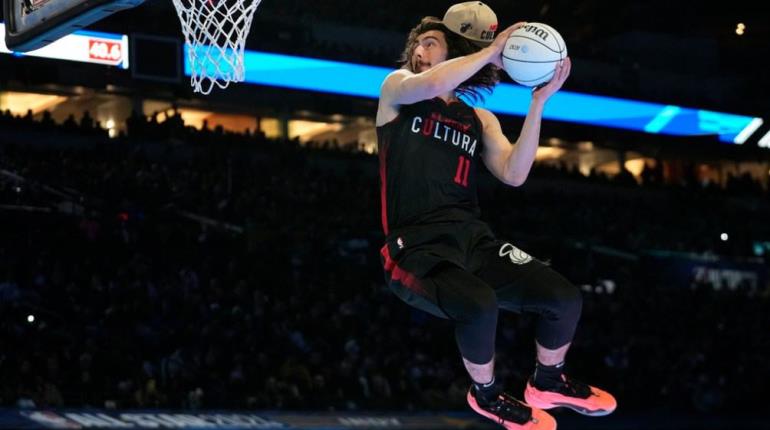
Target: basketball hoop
<point>215,32</point>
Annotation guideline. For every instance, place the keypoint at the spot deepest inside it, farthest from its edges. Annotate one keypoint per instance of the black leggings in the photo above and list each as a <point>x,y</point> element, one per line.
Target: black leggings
<point>473,305</point>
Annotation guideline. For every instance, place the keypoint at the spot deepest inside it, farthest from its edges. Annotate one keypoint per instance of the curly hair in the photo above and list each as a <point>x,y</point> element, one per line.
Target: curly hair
<point>475,87</point>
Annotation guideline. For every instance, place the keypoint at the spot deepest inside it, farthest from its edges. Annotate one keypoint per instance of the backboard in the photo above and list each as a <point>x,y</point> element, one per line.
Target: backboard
<point>32,24</point>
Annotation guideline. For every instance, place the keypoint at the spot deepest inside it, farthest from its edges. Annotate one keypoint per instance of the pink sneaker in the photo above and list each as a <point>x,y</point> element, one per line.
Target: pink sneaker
<point>579,397</point>
<point>513,414</point>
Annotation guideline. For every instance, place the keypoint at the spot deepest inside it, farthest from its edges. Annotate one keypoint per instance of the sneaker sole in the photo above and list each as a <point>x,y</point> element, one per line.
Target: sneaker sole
<point>534,400</point>
<point>583,411</point>
<point>544,421</point>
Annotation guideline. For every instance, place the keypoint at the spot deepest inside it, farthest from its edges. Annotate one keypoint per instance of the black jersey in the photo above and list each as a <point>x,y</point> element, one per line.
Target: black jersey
<point>428,159</point>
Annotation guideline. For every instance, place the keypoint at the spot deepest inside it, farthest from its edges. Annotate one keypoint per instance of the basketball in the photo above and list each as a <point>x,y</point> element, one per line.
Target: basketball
<point>532,52</point>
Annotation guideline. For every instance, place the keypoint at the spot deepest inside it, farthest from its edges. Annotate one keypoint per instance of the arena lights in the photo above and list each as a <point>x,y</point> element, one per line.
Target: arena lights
<point>764,142</point>
<point>364,81</point>
<point>748,131</point>
<point>84,46</point>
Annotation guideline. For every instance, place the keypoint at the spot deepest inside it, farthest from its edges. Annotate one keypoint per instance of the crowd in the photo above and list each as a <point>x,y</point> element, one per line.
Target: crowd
<point>213,176</point>
<point>137,305</point>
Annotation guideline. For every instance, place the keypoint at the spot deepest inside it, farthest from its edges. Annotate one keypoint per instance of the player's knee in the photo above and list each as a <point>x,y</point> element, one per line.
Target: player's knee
<point>481,307</point>
<point>563,300</point>
<point>568,301</point>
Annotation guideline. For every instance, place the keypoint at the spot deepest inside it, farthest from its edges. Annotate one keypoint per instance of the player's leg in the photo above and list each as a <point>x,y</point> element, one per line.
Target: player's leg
<point>447,291</point>
<point>524,284</point>
<point>473,306</point>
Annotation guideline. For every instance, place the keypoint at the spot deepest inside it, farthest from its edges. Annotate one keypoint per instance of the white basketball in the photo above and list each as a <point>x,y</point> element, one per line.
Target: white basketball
<point>532,52</point>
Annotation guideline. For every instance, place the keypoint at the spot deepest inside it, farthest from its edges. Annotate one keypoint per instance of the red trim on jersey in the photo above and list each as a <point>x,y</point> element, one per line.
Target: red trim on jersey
<point>383,174</point>
<point>398,274</point>
<point>383,186</point>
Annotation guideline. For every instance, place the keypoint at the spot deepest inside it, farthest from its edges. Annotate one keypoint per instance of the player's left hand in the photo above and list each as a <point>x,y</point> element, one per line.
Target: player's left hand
<point>498,45</point>
<point>543,92</point>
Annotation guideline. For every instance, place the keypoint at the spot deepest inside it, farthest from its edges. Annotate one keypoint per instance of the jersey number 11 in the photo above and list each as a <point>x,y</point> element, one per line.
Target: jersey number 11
<point>463,169</point>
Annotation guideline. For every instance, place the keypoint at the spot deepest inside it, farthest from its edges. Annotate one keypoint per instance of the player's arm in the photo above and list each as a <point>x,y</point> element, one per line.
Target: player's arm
<point>497,148</point>
<point>403,87</point>
<point>512,163</point>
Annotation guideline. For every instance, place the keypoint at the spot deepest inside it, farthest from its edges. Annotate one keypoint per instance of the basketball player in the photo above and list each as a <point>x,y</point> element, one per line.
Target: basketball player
<point>438,256</point>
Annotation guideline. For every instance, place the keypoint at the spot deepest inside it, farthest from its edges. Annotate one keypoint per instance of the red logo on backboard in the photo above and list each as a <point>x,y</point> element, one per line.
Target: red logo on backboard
<point>493,27</point>
<point>105,50</point>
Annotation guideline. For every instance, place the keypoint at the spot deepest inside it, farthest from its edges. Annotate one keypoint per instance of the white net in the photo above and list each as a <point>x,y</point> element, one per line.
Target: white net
<point>215,32</point>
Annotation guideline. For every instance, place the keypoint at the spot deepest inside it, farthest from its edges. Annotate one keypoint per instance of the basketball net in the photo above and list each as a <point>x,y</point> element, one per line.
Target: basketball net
<point>215,32</point>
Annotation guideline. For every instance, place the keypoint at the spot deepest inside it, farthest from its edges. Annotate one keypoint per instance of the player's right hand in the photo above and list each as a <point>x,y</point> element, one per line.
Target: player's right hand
<point>498,44</point>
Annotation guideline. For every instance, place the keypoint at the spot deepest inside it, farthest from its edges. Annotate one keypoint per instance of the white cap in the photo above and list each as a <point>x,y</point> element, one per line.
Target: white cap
<point>472,20</point>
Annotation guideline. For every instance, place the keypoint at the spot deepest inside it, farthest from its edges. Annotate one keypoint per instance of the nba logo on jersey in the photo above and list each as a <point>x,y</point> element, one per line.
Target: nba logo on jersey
<point>400,243</point>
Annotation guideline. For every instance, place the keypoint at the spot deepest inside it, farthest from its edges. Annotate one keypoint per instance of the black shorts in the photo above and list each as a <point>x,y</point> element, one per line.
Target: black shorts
<point>409,255</point>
